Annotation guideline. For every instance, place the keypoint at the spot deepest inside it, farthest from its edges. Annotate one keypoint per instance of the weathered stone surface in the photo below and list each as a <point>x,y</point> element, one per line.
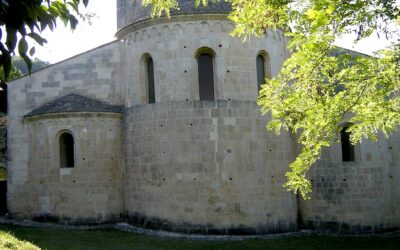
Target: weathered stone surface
<point>90,192</point>
<point>3,140</point>
<point>207,173</point>
<point>181,164</point>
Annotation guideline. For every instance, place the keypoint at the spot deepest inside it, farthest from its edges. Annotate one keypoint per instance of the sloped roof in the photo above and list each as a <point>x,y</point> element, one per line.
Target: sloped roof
<point>340,50</point>
<point>128,13</point>
<point>74,103</point>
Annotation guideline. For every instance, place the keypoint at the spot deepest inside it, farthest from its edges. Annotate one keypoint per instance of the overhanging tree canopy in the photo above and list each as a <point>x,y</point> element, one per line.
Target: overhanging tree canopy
<point>26,19</point>
<point>319,91</point>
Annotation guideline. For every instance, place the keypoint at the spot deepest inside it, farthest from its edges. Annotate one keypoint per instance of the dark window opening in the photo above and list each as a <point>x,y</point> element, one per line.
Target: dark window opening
<point>347,147</point>
<point>260,71</point>
<point>206,76</point>
<point>3,197</point>
<point>150,80</point>
<point>66,150</point>
<point>3,99</point>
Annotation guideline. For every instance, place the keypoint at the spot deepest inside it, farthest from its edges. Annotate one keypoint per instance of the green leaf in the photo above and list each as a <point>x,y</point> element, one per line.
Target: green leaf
<point>40,40</point>
<point>74,5</point>
<point>73,22</point>
<point>32,51</point>
<point>5,60</point>
<point>11,40</point>
<point>22,46</point>
<point>27,61</point>
<point>311,14</point>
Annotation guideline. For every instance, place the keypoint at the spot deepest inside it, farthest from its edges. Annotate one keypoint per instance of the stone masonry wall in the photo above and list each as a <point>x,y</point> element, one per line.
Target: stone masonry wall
<point>173,46</point>
<point>351,196</point>
<point>3,140</point>
<point>90,191</point>
<point>202,166</point>
<point>205,166</point>
<point>183,164</point>
<point>394,177</point>
<point>92,74</point>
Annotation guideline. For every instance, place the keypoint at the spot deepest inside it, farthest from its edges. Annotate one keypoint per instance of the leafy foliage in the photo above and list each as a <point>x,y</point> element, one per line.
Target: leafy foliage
<point>24,20</point>
<point>158,7</point>
<point>321,88</point>
<point>14,73</point>
<point>20,64</point>
<point>18,68</point>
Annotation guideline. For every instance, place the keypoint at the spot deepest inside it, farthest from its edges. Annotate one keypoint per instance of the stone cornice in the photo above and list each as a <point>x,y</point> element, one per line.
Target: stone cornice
<point>73,115</point>
<point>176,18</point>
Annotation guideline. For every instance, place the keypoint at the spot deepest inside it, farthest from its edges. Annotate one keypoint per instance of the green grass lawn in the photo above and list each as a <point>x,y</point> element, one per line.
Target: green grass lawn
<point>46,238</point>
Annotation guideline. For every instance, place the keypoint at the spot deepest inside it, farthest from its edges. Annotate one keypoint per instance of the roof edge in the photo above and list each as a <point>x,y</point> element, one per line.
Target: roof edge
<point>75,103</point>
<point>353,51</point>
<point>71,114</point>
<point>64,60</point>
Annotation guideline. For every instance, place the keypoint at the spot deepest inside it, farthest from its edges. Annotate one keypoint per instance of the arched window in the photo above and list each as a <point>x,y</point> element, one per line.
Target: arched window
<point>67,150</point>
<point>347,147</point>
<point>205,60</point>
<point>263,68</point>
<point>150,80</point>
<point>147,79</point>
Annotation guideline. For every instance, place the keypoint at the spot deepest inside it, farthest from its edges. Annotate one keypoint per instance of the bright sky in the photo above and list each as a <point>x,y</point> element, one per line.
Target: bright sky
<point>64,43</point>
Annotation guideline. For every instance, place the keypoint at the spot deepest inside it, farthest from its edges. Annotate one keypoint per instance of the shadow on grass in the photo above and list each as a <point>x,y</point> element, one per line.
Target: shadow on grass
<point>56,239</point>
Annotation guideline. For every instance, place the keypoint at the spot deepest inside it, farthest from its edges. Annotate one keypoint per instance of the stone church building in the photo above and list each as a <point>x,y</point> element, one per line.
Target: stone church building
<point>160,128</point>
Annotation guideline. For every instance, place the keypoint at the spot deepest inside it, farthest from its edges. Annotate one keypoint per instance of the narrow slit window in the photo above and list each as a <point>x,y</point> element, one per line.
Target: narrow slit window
<point>150,80</point>
<point>206,76</point>
<point>260,71</point>
<point>66,150</point>
<point>347,147</point>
